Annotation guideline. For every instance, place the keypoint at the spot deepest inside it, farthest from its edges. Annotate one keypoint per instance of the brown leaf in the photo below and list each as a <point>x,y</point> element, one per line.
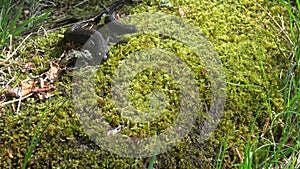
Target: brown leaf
<point>181,12</point>
<point>27,67</point>
<point>10,153</point>
<point>53,72</point>
<point>26,87</point>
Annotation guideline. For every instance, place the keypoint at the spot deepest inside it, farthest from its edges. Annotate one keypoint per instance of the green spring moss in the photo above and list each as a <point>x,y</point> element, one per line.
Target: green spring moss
<point>244,36</point>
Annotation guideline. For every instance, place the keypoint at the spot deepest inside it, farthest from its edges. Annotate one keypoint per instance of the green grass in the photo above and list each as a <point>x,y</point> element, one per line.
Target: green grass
<point>284,150</point>
<point>11,26</point>
<point>280,146</point>
<point>10,15</point>
<point>38,133</point>
<point>218,164</point>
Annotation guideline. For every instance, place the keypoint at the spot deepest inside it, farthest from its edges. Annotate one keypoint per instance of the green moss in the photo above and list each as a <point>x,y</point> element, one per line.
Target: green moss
<point>242,34</point>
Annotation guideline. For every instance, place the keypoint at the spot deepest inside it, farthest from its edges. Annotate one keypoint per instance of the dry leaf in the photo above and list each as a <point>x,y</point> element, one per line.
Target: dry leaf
<point>27,87</point>
<point>27,67</point>
<point>53,72</point>
<point>10,153</point>
<point>181,12</point>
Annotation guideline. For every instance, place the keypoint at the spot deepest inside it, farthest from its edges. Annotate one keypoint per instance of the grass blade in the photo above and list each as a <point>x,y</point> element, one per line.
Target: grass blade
<point>37,136</point>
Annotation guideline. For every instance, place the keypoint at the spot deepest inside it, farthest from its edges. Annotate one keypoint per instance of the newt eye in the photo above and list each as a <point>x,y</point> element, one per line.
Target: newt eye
<point>105,56</point>
<point>75,26</point>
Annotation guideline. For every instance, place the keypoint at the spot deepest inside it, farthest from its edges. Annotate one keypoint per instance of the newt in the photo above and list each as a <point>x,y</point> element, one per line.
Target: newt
<point>96,42</point>
<point>92,40</point>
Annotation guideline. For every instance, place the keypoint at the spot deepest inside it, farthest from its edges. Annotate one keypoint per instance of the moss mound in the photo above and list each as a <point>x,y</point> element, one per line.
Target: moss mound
<point>250,47</point>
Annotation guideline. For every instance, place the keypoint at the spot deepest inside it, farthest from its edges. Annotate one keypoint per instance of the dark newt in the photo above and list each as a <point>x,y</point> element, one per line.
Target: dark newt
<point>96,42</point>
<point>117,27</point>
<point>92,40</point>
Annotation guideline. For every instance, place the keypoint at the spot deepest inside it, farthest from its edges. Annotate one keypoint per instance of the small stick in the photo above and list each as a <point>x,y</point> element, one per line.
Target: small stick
<point>14,52</point>
<point>19,104</point>
<point>282,29</point>
<point>13,101</point>
<point>82,2</point>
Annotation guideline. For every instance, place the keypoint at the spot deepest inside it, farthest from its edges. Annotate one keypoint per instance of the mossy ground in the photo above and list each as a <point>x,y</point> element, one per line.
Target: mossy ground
<point>242,33</point>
